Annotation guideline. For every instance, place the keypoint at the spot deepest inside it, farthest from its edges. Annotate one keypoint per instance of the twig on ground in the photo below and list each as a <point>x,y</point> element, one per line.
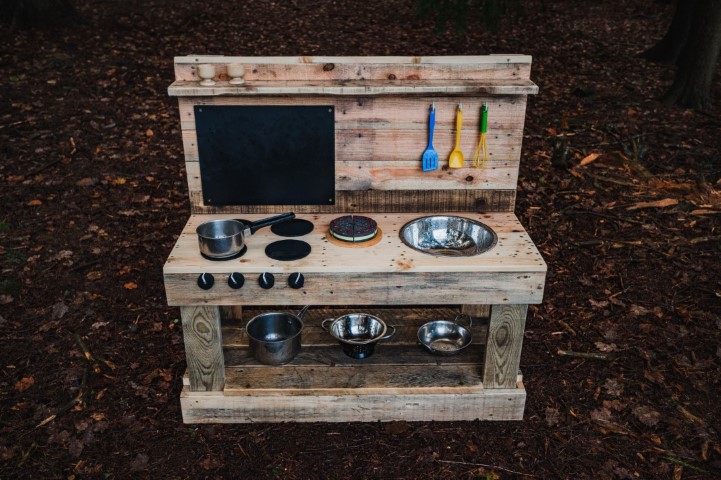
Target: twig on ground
<point>488,466</point>
<point>592,355</point>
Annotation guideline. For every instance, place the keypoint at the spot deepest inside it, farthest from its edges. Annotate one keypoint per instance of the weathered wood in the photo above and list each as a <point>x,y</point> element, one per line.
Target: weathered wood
<point>233,311</point>
<point>328,352</point>
<point>488,67</point>
<point>182,88</point>
<point>477,311</point>
<point>497,404</point>
<point>503,347</point>
<point>405,175</point>
<point>371,201</point>
<point>203,348</point>
<point>389,273</point>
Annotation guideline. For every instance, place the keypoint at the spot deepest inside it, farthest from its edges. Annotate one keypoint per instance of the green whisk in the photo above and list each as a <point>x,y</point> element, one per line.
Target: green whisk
<point>480,156</point>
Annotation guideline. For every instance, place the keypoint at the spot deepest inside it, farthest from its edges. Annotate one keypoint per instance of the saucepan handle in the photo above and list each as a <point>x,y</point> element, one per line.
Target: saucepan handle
<point>322,324</point>
<point>467,317</point>
<point>284,217</point>
<point>388,335</point>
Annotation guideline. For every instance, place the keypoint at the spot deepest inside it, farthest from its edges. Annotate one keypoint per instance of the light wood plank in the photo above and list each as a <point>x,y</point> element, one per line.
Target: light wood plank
<point>203,350</point>
<point>182,88</point>
<point>498,404</point>
<point>503,347</point>
<point>380,201</point>
<point>371,68</point>
<point>407,175</point>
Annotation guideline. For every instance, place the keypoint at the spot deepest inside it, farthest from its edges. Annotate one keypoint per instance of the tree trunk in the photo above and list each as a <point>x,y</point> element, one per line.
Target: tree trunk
<point>668,49</point>
<point>697,62</point>
<point>32,13</point>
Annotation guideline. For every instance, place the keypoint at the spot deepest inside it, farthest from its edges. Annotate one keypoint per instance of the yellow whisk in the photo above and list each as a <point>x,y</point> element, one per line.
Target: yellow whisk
<point>480,156</point>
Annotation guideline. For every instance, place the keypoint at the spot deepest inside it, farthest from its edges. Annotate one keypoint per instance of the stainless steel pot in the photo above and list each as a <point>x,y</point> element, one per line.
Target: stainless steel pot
<point>358,333</point>
<point>442,337</point>
<point>225,238</point>
<point>274,338</point>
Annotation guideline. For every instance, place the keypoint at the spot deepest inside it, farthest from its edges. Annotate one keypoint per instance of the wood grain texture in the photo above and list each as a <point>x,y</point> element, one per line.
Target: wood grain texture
<point>203,350</point>
<point>329,68</point>
<point>498,404</point>
<point>183,88</point>
<point>503,346</point>
<point>477,311</point>
<point>233,312</point>
<point>381,201</point>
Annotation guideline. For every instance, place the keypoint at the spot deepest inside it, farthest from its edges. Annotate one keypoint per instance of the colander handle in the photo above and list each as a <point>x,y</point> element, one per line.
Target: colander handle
<point>464,315</point>
<point>322,324</point>
<point>388,335</point>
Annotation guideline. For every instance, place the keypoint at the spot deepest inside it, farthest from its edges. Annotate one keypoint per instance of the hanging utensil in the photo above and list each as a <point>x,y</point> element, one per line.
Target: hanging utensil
<point>430,157</point>
<point>480,156</point>
<point>456,158</point>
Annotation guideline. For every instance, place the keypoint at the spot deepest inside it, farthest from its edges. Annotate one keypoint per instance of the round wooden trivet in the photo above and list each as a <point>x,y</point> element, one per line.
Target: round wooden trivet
<point>368,243</point>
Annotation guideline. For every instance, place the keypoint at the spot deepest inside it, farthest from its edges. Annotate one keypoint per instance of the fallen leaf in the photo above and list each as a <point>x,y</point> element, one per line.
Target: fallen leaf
<point>5,299</point>
<point>94,275</point>
<point>553,416</point>
<point>120,181</point>
<point>638,310</point>
<point>589,159</point>
<point>24,383</point>
<point>131,285</point>
<point>666,202</point>
<point>647,415</point>
<point>149,132</point>
<point>59,310</point>
<point>613,387</point>
<point>139,463</point>
<point>35,202</point>
<point>605,347</point>
<point>86,182</point>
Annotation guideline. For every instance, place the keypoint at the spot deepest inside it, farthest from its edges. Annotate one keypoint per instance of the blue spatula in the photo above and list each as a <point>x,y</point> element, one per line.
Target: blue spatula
<point>430,157</point>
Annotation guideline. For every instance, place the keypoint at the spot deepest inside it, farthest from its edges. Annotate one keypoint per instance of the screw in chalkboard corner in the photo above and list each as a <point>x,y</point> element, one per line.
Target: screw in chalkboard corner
<point>200,110</point>
<point>330,110</point>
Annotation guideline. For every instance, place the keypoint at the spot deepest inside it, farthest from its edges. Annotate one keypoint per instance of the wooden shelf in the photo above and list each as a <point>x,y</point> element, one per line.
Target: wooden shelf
<point>184,88</point>
<point>322,383</point>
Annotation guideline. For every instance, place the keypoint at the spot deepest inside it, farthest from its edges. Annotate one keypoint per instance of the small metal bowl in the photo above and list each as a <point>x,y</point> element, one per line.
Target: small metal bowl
<point>442,337</point>
<point>449,236</point>
<point>358,333</point>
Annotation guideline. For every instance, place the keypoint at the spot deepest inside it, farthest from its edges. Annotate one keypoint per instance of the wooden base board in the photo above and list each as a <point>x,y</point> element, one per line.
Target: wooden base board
<point>496,404</point>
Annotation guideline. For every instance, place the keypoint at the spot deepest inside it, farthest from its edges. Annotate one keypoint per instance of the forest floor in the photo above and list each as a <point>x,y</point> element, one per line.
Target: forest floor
<point>621,193</point>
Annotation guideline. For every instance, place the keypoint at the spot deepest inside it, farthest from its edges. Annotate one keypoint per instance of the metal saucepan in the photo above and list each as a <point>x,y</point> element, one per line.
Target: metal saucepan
<point>274,338</point>
<point>220,239</point>
<point>358,333</point>
<point>442,337</point>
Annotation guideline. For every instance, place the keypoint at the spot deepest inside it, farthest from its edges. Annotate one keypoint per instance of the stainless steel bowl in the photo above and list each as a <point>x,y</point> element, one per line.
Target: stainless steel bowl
<point>450,236</point>
<point>358,333</point>
<point>443,337</point>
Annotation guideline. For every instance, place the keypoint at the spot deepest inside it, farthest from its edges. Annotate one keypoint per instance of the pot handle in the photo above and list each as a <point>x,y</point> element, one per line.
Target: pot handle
<point>322,324</point>
<point>283,217</point>
<point>467,316</point>
<point>302,312</point>
<point>388,335</point>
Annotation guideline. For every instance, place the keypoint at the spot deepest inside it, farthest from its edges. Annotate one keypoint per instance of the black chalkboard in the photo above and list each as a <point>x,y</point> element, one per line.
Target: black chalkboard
<point>266,155</point>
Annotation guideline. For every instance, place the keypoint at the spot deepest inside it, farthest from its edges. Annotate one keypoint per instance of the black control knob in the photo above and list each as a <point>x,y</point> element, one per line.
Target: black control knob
<point>206,281</point>
<point>266,280</point>
<point>296,280</point>
<point>236,280</point>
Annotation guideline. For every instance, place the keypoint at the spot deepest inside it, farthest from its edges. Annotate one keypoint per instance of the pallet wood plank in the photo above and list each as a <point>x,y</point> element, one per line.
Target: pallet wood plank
<point>203,347</point>
<point>503,347</point>
<point>497,404</point>
<point>371,68</point>
<point>380,201</point>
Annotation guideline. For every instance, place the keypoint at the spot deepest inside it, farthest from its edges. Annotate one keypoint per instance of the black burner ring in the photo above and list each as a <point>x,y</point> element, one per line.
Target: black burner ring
<point>288,250</point>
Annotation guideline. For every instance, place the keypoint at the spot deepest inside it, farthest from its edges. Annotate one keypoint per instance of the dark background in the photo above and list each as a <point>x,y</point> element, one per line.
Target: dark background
<point>93,194</point>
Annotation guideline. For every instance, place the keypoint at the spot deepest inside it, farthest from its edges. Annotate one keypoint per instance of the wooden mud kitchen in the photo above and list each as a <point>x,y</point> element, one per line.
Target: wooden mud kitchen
<point>401,174</point>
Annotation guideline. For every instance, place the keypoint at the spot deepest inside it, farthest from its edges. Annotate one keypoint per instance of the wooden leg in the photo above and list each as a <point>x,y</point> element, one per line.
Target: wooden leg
<point>503,347</point>
<point>476,311</point>
<point>235,312</point>
<point>203,348</point>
